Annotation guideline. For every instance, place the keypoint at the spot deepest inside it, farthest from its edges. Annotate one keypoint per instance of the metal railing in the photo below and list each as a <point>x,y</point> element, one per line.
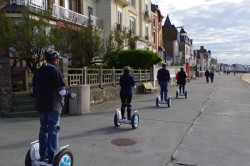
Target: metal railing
<point>100,77</point>
<point>38,4</point>
<point>74,17</point>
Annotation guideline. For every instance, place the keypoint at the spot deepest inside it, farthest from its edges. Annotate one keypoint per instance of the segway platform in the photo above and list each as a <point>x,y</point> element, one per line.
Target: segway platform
<point>167,102</point>
<point>118,119</point>
<point>178,94</point>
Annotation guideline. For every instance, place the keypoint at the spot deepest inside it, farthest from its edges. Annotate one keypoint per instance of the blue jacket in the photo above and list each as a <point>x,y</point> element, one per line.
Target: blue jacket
<point>47,82</point>
<point>126,83</point>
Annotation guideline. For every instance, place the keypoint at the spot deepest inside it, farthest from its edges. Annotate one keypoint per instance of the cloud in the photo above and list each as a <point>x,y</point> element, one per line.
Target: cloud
<point>222,26</point>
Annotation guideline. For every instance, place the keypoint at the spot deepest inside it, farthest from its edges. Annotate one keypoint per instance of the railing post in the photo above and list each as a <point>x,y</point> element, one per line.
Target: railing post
<point>84,75</point>
<point>139,75</point>
<point>113,76</point>
<point>146,75</point>
<point>101,77</point>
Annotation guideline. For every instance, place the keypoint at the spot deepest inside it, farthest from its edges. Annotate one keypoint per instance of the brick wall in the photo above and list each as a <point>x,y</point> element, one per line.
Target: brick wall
<point>5,85</point>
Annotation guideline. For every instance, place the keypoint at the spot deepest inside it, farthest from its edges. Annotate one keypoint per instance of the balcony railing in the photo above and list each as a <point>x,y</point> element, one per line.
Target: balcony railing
<point>121,27</point>
<point>148,15</point>
<point>38,4</point>
<point>74,17</point>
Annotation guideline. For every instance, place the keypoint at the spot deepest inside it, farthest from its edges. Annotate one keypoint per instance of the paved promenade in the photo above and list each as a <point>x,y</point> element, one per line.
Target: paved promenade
<point>210,128</point>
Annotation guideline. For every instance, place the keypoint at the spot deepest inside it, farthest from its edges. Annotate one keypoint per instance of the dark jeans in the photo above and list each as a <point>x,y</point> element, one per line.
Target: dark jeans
<point>207,77</point>
<point>182,86</point>
<point>164,90</point>
<point>48,134</point>
<point>126,102</point>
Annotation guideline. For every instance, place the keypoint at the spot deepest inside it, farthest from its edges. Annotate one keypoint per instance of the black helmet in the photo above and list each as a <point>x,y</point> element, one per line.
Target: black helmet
<point>49,55</point>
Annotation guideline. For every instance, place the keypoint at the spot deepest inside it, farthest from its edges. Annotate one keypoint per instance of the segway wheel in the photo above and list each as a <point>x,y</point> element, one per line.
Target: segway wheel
<point>177,94</point>
<point>116,120</point>
<point>64,157</point>
<point>186,94</point>
<point>157,101</point>
<point>169,102</point>
<point>28,159</point>
<point>135,120</point>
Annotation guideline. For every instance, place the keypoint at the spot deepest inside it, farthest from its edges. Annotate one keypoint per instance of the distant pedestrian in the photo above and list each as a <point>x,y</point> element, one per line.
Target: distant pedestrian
<point>182,80</point>
<point>207,74</point>
<point>212,76</point>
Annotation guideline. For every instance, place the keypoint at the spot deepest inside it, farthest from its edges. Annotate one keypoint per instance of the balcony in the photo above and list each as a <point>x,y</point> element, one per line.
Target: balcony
<point>76,18</point>
<point>124,3</point>
<point>37,4</point>
<point>148,16</point>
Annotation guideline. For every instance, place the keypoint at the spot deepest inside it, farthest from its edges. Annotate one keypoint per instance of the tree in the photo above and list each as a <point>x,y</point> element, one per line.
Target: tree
<point>134,58</point>
<point>61,37</point>
<point>117,41</point>
<point>31,38</point>
<point>87,46</point>
<point>7,34</point>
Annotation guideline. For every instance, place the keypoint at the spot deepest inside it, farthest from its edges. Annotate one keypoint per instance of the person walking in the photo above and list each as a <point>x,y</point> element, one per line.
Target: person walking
<point>182,80</point>
<point>207,74</point>
<point>211,76</point>
<point>49,91</point>
<point>126,83</point>
<point>163,78</point>
<point>176,77</point>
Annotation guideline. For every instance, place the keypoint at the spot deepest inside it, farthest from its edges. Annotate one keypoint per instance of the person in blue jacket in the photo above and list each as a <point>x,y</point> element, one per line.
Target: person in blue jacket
<point>49,90</point>
<point>126,83</point>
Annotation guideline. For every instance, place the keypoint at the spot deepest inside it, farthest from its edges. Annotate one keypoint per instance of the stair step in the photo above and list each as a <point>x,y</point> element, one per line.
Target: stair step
<point>28,108</point>
<point>23,102</point>
<point>20,114</point>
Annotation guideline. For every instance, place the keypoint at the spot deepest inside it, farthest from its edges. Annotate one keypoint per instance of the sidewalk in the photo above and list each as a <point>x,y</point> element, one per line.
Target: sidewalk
<point>209,128</point>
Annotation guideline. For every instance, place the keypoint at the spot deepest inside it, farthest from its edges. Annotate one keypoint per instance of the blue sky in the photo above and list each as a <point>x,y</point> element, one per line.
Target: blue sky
<point>221,26</point>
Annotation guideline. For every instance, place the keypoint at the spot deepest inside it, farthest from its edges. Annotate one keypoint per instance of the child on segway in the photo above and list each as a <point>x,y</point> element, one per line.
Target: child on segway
<point>182,81</point>
<point>127,83</point>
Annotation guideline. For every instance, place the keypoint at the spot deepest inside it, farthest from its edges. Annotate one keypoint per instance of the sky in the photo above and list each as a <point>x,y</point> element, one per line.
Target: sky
<point>221,26</point>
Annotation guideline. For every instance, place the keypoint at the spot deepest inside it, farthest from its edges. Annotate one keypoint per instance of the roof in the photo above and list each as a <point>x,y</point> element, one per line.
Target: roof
<point>167,21</point>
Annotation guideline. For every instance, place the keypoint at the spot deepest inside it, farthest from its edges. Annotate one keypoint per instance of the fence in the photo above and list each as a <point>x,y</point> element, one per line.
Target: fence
<point>100,77</point>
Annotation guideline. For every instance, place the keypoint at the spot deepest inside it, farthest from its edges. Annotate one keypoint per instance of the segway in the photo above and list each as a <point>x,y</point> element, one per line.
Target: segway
<point>63,157</point>
<point>178,94</point>
<point>168,101</point>
<point>118,119</point>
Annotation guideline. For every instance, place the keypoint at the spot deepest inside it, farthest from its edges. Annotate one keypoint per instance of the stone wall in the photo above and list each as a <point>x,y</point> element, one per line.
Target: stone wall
<point>5,85</point>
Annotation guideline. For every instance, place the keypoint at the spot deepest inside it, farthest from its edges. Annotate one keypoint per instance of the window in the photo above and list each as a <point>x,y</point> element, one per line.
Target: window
<point>146,5</point>
<point>132,2</point>
<point>146,30</point>
<point>119,21</point>
<point>132,24</point>
<point>78,6</point>
<point>154,22</point>
<point>154,36</point>
<point>90,11</point>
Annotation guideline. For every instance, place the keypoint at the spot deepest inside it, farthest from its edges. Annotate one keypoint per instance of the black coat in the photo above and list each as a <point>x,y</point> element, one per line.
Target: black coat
<point>47,82</point>
<point>163,75</point>
<point>182,77</point>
